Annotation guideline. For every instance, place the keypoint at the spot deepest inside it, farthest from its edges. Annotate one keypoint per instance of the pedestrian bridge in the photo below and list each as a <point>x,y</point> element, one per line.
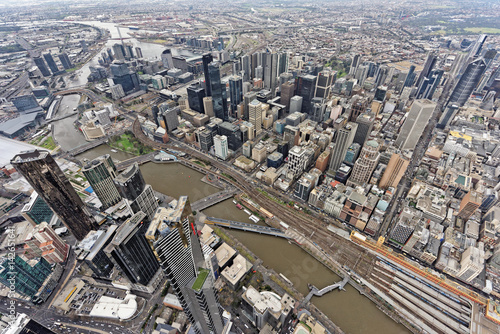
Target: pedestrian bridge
<point>246,227</point>
<point>315,292</point>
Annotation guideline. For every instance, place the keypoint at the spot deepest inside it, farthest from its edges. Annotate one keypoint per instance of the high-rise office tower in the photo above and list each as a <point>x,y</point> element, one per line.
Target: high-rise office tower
<point>28,276</point>
<point>415,123</point>
<point>44,242</point>
<point>42,66</point>
<point>410,78</point>
<point>129,51</point>
<point>132,252</point>
<point>255,115</point>
<point>118,51</point>
<point>305,86</point>
<point>178,249</point>
<point>475,51</point>
<point>122,75</point>
<point>365,124</point>
<point>139,195</point>
<point>381,75</point>
<point>166,59</point>
<point>246,67</point>
<point>468,81</point>
<point>287,92</point>
<point>429,84</point>
<point>100,173</point>
<point>48,180</point>
<point>428,66</point>
<point>447,116</point>
<point>110,54</point>
<point>344,139</point>
<point>205,139</point>
<point>218,91</point>
<point>207,59</point>
<point>37,211</point>
<point>324,82</point>
<point>380,93</point>
<point>208,106</point>
<point>361,74</point>
<point>52,64</point>
<point>247,98</point>
<point>66,63</point>
<point>471,264</point>
<point>318,108</point>
<point>221,146</point>
<point>354,64</point>
<point>138,52</point>
<point>235,93</point>
<point>469,204</point>
<point>24,325</point>
<point>195,98</point>
<point>366,163</point>
<point>394,171</point>
<point>282,62</point>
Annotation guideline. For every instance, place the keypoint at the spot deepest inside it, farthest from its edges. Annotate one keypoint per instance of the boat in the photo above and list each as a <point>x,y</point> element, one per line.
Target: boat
<point>234,201</point>
<point>239,206</point>
<point>113,150</point>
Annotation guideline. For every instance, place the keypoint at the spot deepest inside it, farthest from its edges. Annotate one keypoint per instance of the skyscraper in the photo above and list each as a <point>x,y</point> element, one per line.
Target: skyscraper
<point>305,85</point>
<point>366,163</point>
<point>176,243</point>
<point>42,66</point>
<point>287,92</point>
<point>324,82</point>
<point>410,78</point>
<point>429,84</point>
<point>354,64</point>
<point>207,59</point>
<point>218,91</point>
<point>428,66</point>
<point>52,64</point>
<point>365,124</point>
<point>122,75</point>
<point>166,58</point>
<point>394,171</point>
<point>468,81</point>
<point>469,204</point>
<point>344,139</point>
<point>195,98</point>
<point>37,211</point>
<point>138,52</point>
<point>29,276</point>
<point>235,93</point>
<point>66,63</point>
<point>139,195</point>
<point>118,51</point>
<point>221,147</point>
<point>132,252</point>
<point>255,115</point>
<point>24,325</point>
<point>100,173</point>
<point>48,180</point>
<point>415,123</point>
<point>246,67</point>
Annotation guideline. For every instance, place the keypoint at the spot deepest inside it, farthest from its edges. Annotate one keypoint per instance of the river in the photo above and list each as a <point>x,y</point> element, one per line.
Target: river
<point>352,312</point>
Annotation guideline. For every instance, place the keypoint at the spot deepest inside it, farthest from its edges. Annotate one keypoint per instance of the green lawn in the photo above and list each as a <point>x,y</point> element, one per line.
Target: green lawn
<point>49,143</point>
<point>202,276</point>
<point>128,143</point>
<point>483,30</point>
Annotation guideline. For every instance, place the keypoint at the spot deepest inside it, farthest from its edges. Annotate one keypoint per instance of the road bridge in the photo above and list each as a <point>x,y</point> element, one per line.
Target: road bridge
<point>62,117</point>
<point>208,201</point>
<point>315,292</point>
<point>140,160</point>
<point>246,227</point>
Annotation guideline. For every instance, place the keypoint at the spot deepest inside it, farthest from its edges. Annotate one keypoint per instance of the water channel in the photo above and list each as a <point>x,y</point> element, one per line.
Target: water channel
<point>352,312</point>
